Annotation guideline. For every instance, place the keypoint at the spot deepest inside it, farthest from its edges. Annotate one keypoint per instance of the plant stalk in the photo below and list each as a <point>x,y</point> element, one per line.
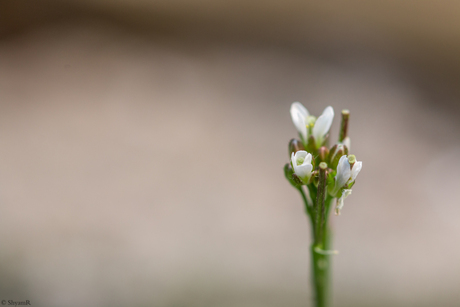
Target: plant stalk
<point>321,266</point>
<point>320,247</point>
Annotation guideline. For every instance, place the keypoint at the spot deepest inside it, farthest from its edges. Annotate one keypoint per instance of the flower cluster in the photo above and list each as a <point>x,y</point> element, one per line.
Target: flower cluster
<point>312,149</point>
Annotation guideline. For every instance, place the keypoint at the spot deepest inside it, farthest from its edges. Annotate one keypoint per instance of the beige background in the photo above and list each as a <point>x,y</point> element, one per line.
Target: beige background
<point>142,146</point>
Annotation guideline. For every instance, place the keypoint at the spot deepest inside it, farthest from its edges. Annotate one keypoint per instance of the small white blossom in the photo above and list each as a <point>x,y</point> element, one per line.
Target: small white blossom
<point>303,121</point>
<point>346,175</point>
<point>301,163</point>
<point>343,173</point>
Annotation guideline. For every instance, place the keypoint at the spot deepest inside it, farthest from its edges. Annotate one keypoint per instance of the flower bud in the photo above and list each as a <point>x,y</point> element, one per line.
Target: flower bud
<point>294,146</point>
<point>311,145</point>
<point>323,154</point>
<point>336,153</point>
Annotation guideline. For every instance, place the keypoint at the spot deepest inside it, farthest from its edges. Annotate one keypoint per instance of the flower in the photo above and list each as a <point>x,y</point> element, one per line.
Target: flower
<point>307,124</point>
<point>343,174</point>
<point>301,163</point>
<point>347,171</point>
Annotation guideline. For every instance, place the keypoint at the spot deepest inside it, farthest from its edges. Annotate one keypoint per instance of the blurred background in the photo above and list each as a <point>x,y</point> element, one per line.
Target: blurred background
<point>142,146</point>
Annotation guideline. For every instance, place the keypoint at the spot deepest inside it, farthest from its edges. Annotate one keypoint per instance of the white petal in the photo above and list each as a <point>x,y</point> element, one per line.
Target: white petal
<point>297,107</point>
<point>301,154</point>
<point>307,160</point>
<point>301,127</point>
<point>343,173</point>
<point>347,142</point>
<point>296,156</point>
<point>323,124</point>
<point>356,169</point>
<point>304,171</point>
<point>293,161</point>
<point>298,114</point>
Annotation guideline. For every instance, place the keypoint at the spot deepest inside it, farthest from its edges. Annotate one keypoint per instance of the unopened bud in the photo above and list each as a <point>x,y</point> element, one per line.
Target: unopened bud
<point>331,153</point>
<point>335,154</point>
<point>311,144</point>
<point>294,146</point>
<point>323,154</point>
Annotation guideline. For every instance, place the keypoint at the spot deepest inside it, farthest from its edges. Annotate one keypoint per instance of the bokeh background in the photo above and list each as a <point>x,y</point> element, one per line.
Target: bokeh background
<point>142,146</point>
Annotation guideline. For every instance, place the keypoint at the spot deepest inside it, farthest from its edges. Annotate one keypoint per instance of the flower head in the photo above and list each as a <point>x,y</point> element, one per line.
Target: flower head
<point>308,125</point>
<point>301,163</point>
<point>343,173</point>
<point>347,171</point>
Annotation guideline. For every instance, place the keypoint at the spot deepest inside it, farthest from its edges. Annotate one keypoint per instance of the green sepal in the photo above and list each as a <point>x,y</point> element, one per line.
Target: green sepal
<point>330,182</point>
<point>294,146</point>
<point>289,174</point>
<point>311,146</point>
<point>336,153</point>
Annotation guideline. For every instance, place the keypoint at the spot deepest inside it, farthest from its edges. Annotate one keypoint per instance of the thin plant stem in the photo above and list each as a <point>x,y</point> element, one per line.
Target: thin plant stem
<point>321,266</point>
<point>320,252</point>
<point>305,200</point>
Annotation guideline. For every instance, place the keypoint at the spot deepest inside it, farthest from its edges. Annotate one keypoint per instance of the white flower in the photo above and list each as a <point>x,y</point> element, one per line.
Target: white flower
<point>339,206</point>
<point>303,121</point>
<point>301,163</point>
<point>345,173</point>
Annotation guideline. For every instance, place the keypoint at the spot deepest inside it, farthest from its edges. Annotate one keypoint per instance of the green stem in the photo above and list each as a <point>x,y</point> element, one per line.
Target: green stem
<point>321,262</point>
<point>305,201</point>
<point>318,213</point>
<point>320,208</point>
<point>321,259</point>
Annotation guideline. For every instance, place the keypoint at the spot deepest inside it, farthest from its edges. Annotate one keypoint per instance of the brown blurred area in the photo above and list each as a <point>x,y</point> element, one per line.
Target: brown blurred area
<point>142,146</point>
